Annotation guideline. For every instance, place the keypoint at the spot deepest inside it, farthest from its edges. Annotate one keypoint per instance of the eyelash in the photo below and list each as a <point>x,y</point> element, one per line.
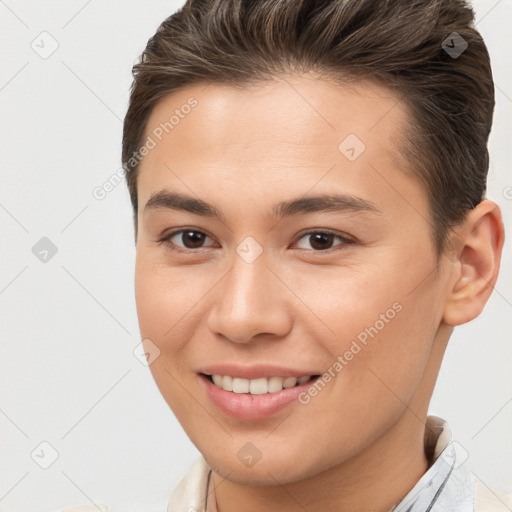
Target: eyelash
<point>166,238</point>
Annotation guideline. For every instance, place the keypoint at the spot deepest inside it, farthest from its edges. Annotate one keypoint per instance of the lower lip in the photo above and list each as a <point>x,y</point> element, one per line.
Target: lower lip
<point>247,407</point>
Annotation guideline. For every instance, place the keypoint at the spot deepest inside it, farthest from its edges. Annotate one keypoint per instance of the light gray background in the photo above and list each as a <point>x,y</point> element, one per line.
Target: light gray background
<point>69,327</point>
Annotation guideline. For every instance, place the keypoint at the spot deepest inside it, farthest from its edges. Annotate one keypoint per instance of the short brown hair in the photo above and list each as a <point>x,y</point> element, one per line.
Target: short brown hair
<point>401,44</point>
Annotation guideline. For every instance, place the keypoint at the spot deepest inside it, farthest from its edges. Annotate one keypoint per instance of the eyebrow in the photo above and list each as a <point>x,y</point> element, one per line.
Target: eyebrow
<point>303,205</point>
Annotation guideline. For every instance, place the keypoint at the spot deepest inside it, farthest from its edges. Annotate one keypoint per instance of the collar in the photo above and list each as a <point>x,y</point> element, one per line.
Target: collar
<point>446,486</point>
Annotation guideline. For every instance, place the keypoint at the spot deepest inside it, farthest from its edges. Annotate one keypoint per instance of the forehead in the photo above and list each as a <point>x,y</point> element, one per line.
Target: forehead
<point>290,110</point>
<point>285,133</point>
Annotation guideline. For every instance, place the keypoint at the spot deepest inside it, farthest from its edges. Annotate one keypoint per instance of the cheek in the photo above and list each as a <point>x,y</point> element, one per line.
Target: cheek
<point>378,323</point>
<point>151,300</point>
<point>164,306</point>
<point>163,295</point>
<point>391,366</point>
<point>169,301</point>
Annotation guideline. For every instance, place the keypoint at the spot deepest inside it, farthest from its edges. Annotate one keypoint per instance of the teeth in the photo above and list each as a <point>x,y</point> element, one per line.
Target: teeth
<point>240,385</point>
<point>227,383</point>
<point>257,386</point>
<point>274,384</point>
<point>289,382</point>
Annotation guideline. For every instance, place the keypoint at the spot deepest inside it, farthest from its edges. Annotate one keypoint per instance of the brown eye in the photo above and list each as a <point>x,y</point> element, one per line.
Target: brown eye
<point>186,239</point>
<point>192,239</point>
<point>322,240</point>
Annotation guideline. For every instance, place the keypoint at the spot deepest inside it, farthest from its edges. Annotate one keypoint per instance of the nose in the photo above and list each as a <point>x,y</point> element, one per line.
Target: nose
<point>251,300</point>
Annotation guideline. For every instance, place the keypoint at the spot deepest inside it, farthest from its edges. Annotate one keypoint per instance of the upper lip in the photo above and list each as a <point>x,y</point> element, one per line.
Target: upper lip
<point>255,371</point>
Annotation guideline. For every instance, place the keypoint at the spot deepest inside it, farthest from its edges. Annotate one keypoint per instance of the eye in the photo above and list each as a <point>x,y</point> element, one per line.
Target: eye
<point>184,240</point>
<point>323,240</point>
<point>189,238</point>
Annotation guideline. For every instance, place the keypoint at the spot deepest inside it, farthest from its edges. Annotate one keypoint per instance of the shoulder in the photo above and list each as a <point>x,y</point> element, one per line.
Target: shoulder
<point>190,491</point>
<point>188,494</point>
<point>490,499</point>
<point>153,506</point>
<point>85,508</point>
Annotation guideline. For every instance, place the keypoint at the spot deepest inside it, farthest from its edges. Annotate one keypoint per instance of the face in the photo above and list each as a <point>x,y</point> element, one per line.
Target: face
<point>243,270</point>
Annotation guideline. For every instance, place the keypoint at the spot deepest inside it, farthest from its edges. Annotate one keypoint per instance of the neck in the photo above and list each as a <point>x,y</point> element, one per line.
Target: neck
<point>376,479</point>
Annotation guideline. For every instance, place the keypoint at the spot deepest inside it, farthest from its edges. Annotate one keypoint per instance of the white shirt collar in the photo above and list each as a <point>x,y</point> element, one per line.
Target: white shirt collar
<point>447,485</point>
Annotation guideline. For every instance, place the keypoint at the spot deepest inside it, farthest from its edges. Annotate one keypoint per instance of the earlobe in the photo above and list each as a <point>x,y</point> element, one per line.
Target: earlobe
<point>481,241</point>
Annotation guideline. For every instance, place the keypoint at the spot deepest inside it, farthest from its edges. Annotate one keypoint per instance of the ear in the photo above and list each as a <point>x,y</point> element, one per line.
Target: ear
<point>476,266</point>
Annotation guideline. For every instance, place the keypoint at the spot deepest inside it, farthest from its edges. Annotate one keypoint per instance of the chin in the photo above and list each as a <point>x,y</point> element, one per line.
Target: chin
<point>282,468</point>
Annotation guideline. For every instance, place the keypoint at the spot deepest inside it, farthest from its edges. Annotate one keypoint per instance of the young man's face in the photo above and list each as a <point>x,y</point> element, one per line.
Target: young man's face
<point>253,288</point>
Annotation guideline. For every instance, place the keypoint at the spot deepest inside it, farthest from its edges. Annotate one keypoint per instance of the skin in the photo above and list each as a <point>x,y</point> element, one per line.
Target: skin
<point>358,445</point>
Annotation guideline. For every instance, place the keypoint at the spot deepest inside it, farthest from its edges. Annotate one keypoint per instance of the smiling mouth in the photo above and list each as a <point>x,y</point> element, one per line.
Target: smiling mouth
<point>258,386</point>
